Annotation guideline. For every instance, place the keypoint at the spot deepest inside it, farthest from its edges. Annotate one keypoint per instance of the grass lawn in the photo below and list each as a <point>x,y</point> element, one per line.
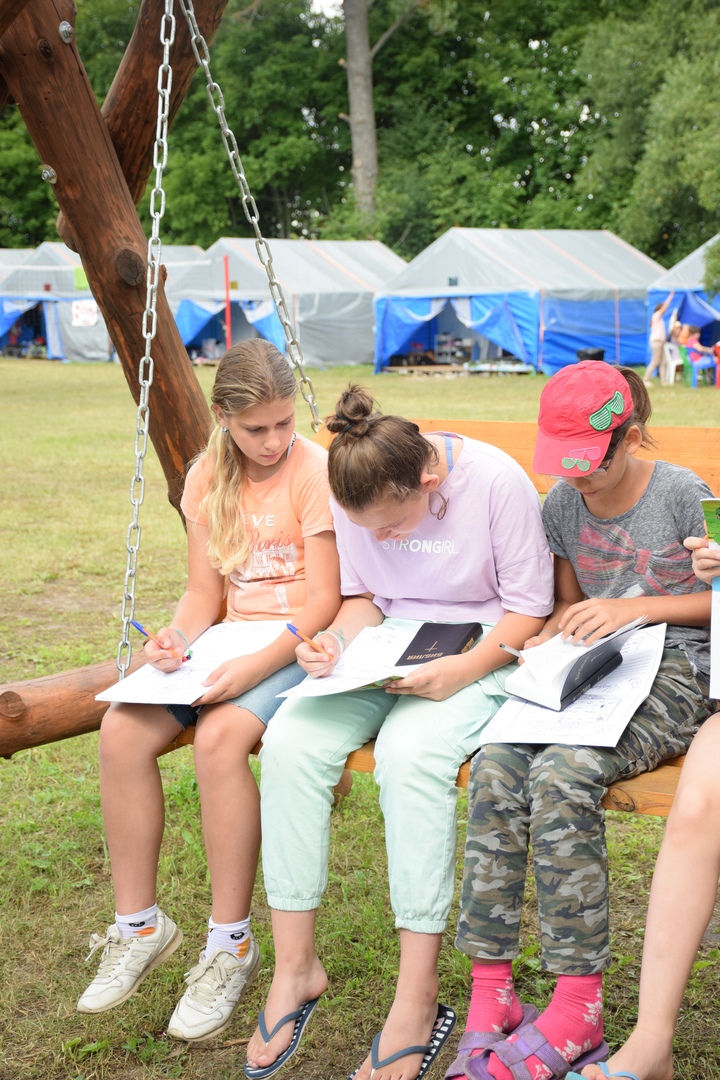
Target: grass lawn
<point>66,454</point>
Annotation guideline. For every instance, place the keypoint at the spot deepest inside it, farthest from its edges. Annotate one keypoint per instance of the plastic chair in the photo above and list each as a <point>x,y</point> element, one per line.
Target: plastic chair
<point>691,369</point>
<point>672,363</point>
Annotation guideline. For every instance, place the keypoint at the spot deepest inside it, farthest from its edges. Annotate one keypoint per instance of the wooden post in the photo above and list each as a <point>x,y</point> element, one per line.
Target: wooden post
<point>46,77</point>
<point>130,108</point>
<point>8,11</point>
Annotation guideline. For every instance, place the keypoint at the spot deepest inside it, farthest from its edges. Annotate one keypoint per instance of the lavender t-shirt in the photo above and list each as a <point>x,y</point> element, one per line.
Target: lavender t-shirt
<point>486,556</point>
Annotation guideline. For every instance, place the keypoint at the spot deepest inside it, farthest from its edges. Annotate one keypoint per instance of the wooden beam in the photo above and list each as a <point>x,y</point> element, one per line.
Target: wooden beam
<point>9,10</point>
<point>46,77</point>
<point>130,108</point>
<point>692,447</point>
<point>55,707</point>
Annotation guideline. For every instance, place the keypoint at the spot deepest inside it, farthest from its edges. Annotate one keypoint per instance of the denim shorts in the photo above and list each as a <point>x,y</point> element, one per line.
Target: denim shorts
<point>261,700</point>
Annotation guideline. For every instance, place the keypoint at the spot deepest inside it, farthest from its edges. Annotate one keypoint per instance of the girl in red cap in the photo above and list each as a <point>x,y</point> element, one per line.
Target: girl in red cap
<point>615,524</point>
<point>688,866</point>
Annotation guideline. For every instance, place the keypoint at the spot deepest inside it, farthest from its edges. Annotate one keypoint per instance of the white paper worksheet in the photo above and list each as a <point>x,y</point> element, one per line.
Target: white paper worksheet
<point>148,686</point>
<point>369,658</point>
<point>596,718</point>
<point>715,640</point>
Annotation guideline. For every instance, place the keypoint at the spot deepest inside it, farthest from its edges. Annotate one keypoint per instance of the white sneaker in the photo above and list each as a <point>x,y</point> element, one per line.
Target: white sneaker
<point>126,962</point>
<point>215,987</point>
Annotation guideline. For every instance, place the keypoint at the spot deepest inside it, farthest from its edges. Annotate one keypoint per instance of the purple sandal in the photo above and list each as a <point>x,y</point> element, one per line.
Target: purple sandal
<point>471,1041</point>
<point>530,1041</point>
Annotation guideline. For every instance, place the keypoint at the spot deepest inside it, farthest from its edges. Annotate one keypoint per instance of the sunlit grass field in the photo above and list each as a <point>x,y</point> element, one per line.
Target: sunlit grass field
<point>66,455</point>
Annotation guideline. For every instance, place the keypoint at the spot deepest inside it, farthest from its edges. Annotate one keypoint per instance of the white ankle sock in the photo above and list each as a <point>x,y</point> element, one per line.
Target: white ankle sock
<point>235,937</point>
<point>139,923</point>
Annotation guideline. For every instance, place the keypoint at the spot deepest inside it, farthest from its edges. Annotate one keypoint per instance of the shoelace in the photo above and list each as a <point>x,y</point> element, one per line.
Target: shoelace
<point>207,979</point>
<point>114,947</point>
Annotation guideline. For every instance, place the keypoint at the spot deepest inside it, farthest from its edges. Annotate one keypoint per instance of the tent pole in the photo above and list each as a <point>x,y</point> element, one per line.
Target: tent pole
<point>228,309</point>
<point>617,325</point>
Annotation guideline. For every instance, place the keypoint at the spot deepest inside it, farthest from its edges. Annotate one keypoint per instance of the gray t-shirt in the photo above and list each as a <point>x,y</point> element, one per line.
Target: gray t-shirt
<point>640,552</point>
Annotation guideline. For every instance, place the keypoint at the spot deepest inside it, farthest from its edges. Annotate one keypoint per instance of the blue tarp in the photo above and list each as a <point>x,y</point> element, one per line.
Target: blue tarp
<point>698,310</point>
<point>540,295</point>
<point>193,320</point>
<point>690,303</point>
<point>619,327</point>
<point>11,311</point>
<point>539,330</point>
<point>693,307</point>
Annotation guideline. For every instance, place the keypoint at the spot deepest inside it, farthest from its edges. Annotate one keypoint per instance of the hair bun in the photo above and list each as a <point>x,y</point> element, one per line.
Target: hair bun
<point>353,413</point>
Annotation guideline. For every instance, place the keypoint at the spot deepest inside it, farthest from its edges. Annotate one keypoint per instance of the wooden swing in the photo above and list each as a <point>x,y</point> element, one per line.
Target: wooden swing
<point>41,71</point>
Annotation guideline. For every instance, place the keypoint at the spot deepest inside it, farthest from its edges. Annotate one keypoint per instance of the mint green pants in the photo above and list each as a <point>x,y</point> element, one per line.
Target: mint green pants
<point>419,749</point>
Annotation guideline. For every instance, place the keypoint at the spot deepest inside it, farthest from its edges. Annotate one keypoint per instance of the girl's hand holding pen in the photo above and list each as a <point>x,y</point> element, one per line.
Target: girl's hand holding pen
<point>163,650</point>
<point>316,657</point>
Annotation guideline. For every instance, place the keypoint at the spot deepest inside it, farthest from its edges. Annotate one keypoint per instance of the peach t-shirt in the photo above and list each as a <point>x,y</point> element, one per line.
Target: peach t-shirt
<point>279,513</point>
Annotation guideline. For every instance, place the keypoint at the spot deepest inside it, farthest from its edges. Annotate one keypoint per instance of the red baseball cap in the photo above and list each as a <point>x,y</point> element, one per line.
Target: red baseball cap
<point>579,409</point>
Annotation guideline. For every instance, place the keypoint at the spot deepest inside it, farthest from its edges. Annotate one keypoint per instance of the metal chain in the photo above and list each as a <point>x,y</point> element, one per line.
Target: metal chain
<point>215,94</point>
<point>149,328</point>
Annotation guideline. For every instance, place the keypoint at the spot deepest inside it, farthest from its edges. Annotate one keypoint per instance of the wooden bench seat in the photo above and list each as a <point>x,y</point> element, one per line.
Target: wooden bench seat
<point>43,710</point>
<point>695,448</point>
<point>649,793</point>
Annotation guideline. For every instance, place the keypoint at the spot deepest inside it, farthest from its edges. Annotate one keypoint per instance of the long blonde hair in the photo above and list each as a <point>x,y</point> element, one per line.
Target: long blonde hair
<point>251,373</point>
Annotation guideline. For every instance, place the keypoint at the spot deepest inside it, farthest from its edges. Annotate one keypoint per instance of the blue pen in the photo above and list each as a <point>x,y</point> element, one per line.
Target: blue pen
<point>147,634</point>
<point>298,633</point>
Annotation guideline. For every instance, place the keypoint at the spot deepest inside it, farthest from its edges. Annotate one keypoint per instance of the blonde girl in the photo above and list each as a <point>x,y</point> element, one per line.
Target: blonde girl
<point>260,534</point>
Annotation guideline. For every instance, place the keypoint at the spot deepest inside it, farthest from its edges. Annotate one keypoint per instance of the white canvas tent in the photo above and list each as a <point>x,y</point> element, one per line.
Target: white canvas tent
<point>12,259</point>
<point>329,287</point>
<point>539,294</point>
<point>49,293</point>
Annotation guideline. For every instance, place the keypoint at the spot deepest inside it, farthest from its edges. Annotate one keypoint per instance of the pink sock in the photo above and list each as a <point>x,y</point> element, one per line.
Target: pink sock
<point>572,1024</point>
<point>493,1003</point>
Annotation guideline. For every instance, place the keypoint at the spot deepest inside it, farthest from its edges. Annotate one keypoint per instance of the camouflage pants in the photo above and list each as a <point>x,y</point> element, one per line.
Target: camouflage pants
<point>550,797</point>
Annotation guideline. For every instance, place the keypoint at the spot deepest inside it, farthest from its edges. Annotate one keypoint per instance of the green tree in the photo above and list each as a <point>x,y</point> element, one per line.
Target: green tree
<point>652,171</point>
<point>281,85</point>
<point>27,206</point>
<point>483,126</point>
<point>103,30</point>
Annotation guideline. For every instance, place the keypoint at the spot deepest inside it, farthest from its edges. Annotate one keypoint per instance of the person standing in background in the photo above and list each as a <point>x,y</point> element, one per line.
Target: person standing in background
<point>658,337</point>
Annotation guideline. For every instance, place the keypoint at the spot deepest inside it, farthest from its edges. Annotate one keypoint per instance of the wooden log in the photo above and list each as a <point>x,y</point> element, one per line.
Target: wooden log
<point>54,707</point>
<point>9,10</point>
<point>648,793</point>
<point>46,77</point>
<point>130,108</point>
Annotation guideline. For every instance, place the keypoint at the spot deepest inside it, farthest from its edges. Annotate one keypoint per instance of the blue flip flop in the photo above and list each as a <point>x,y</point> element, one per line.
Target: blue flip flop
<point>444,1023</point>
<point>603,1065</point>
<point>301,1017</point>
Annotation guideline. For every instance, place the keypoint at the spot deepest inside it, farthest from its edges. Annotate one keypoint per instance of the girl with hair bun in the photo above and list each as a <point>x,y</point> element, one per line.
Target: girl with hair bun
<point>260,534</point>
<point>434,528</point>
